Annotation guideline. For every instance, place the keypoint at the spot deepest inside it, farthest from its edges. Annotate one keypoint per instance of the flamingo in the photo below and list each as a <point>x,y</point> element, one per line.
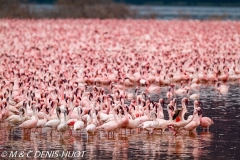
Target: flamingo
<point>62,127</point>
<point>30,124</point>
<point>162,123</point>
<point>194,123</point>
<point>134,123</point>
<point>79,124</point>
<point>182,90</point>
<point>150,125</point>
<point>152,88</point>
<point>221,88</point>
<point>224,76</point>
<point>10,110</point>
<point>194,96</point>
<point>160,114</point>
<point>205,122</point>
<point>27,73</point>
<point>125,119</point>
<point>110,126</point>
<point>195,86</point>
<point>16,120</point>
<point>176,126</point>
<point>54,122</point>
<point>196,103</point>
<point>169,94</point>
<point>41,122</point>
<point>91,127</point>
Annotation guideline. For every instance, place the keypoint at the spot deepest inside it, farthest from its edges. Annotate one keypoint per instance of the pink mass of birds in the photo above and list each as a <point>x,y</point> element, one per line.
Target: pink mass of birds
<point>77,75</point>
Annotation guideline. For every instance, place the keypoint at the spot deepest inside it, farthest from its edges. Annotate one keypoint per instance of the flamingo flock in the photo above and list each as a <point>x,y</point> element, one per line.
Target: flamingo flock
<point>75,75</point>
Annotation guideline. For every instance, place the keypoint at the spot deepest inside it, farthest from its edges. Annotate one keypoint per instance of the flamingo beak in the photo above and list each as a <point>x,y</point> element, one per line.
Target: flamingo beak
<point>199,111</point>
<point>47,110</point>
<point>127,108</point>
<point>59,111</point>
<point>162,102</point>
<point>171,107</point>
<point>186,102</point>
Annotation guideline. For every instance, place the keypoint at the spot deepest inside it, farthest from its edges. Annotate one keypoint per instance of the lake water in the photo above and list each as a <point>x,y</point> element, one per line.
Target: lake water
<point>221,142</point>
<point>175,12</point>
<point>189,12</point>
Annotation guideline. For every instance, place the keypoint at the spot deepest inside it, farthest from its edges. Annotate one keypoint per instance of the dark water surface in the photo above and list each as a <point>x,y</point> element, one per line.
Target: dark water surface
<point>172,12</point>
<point>190,12</point>
<point>221,142</point>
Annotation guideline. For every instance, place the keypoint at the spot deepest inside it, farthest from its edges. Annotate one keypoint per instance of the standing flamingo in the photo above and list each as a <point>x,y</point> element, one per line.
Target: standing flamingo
<point>79,124</point>
<point>62,127</point>
<point>30,124</point>
<point>54,122</point>
<point>205,122</point>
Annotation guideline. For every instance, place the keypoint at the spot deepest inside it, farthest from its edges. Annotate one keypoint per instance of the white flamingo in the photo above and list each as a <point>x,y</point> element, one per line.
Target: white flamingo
<point>79,124</point>
<point>62,127</point>
<point>150,125</point>
<point>54,122</point>
<point>162,123</point>
<point>15,120</point>
<point>91,127</point>
<point>42,122</point>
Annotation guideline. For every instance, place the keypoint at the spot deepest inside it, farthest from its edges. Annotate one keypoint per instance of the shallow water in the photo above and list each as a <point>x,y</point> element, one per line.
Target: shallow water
<point>221,142</point>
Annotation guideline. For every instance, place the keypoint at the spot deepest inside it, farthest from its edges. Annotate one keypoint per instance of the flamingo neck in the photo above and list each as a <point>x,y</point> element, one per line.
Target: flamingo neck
<point>101,105</point>
<point>58,116</point>
<point>148,113</point>
<point>91,118</point>
<point>35,113</point>
<point>196,118</point>
<point>169,114</point>
<point>137,109</point>
<point>183,111</point>
<point>64,120</point>
<point>194,106</point>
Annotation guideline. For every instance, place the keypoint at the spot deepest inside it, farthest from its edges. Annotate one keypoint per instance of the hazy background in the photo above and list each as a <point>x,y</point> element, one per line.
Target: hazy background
<point>122,9</point>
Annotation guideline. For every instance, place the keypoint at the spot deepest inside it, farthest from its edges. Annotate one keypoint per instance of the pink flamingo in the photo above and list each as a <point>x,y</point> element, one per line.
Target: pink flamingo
<point>30,124</point>
<point>205,122</point>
